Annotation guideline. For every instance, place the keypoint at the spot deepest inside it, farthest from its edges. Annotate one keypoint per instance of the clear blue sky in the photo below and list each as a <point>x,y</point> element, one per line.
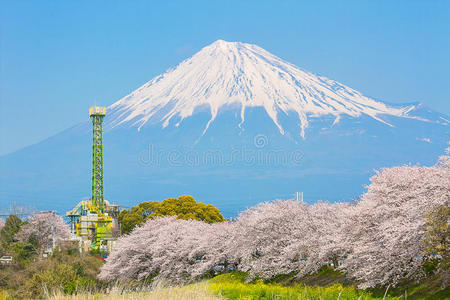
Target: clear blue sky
<point>57,57</point>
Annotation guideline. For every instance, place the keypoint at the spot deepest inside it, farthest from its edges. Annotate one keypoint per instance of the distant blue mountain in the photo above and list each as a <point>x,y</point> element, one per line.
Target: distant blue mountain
<point>233,126</point>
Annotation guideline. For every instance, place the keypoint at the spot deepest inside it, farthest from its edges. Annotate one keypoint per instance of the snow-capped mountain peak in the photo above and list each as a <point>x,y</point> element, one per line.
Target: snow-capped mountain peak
<point>237,75</point>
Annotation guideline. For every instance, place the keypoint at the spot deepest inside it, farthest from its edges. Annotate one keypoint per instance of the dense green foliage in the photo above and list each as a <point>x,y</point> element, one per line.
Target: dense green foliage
<point>12,226</point>
<point>184,207</point>
<point>30,277</point>
<point>66,272</point>
<point>438,230</point>
<point>9,245</point>
<point>438,239</point>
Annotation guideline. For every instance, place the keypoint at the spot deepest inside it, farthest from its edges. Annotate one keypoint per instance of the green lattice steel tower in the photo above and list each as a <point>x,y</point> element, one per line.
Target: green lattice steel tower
<point>97,114</point>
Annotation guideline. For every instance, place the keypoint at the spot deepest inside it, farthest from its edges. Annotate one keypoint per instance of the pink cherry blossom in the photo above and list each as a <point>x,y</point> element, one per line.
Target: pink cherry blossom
<point>44,228</point>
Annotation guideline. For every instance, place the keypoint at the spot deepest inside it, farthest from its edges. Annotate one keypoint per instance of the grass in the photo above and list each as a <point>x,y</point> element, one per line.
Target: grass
<point>188,292</point>
<point>327,276</point>
<point>326,284</point>
<point>233,286</point>
<point>429,288</point>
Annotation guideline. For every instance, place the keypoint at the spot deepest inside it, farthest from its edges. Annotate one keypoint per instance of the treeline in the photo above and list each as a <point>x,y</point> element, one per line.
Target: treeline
<point>37,265</point>
<point>45,260</point>
<point>398,230</point>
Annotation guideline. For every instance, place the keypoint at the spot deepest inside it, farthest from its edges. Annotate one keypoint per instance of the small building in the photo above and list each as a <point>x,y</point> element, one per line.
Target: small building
<point>92,228</point>
<point>6,260</point>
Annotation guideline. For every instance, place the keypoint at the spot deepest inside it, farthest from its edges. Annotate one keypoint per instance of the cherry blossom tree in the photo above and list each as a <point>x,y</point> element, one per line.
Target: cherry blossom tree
<point>167,248</point>
<point>379,240</point>
<point>288,236</point>
<point>43,229</point>
<point>215,246</point>
<point>329,222</point>
<point>2,223</point>
<point>386,234</point>
<point>265,235</point>
<point>272,238</point>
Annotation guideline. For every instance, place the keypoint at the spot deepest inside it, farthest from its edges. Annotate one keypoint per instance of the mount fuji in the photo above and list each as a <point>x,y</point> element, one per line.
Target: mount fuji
<point>244,76</point>
<point>233,125</point>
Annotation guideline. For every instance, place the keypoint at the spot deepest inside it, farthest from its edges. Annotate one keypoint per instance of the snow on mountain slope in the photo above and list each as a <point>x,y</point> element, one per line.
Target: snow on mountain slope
<point>232,74</point>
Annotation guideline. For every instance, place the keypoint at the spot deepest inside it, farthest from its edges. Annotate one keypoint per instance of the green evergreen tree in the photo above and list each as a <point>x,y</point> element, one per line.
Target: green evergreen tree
<point>12,226</point>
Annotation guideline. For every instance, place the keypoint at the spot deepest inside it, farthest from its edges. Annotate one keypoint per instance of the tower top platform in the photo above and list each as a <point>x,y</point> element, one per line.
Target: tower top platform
<point>97,111</point>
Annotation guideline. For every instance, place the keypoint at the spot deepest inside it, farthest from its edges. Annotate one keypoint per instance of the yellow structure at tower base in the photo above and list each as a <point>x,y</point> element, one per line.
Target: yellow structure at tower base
<point>96,230</point>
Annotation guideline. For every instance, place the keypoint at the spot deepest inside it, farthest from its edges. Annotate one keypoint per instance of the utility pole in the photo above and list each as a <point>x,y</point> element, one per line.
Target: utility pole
<point>53,238</point>
<point>299,196</point>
